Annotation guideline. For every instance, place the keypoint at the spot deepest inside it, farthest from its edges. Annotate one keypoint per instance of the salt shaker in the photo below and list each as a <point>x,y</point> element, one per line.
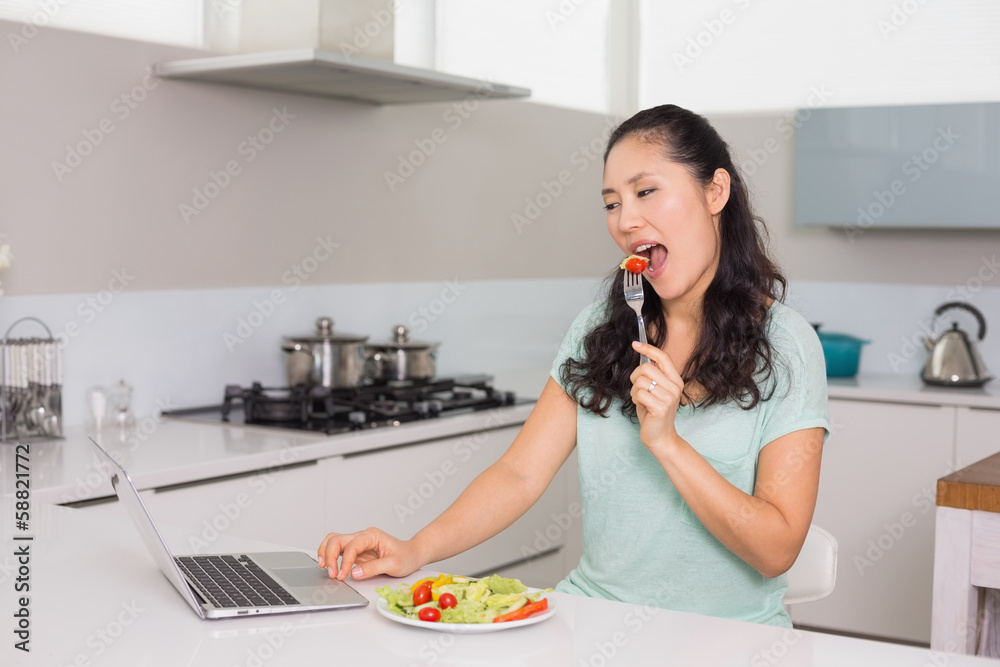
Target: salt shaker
<point>122,417</point>
<point>98,400</point>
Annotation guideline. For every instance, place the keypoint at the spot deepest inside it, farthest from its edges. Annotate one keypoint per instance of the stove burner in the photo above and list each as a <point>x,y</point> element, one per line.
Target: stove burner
<point>369,406</point>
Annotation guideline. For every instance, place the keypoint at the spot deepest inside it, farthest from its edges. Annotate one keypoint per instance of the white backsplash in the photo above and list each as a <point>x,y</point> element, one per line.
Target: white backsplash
<point>179,348</point>
<point>896,317</point>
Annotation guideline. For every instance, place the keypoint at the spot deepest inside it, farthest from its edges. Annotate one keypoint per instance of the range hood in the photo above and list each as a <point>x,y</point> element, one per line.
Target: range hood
<point>318,72</point>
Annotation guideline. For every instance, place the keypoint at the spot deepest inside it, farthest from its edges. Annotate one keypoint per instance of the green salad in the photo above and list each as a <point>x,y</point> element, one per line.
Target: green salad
<point>454,599</point>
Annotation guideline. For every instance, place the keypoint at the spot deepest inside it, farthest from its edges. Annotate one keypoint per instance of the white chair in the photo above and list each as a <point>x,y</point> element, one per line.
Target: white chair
<point>814,573</point>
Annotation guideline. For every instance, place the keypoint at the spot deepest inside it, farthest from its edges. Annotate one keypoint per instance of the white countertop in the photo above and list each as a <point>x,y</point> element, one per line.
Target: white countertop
<point>175,451</point>
<point>891,388</point>
<point>911,389</point>
<point>97,599</point>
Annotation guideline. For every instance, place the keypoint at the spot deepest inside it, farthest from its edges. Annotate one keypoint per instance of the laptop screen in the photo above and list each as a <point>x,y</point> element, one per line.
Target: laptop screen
<point>130,498</point>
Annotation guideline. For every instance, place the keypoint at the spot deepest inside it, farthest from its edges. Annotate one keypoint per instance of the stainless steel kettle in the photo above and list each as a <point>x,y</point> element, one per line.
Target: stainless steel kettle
<point>954,359</point>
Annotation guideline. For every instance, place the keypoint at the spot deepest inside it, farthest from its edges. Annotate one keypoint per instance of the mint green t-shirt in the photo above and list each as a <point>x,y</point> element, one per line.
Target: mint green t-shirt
<point>641,542</point>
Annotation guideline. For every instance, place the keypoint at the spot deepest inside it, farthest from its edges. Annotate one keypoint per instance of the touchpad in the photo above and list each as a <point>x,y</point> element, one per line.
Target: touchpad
<point>303,576</point>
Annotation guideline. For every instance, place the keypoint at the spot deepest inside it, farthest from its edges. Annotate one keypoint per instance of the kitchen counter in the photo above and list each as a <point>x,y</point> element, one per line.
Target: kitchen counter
<point>975,487</point>
<point>293,487</point>
<point>101,601</point>
<point>967,557</point>
<point>169,451</point>
<point>888,387</point>
<point>911,389</point>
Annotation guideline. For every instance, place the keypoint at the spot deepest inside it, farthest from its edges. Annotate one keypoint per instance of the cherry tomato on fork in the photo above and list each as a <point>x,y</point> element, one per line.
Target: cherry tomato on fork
<point>447,600</point>
<point>635,264</point>
<point>429,614</point>
<point>421,595</point>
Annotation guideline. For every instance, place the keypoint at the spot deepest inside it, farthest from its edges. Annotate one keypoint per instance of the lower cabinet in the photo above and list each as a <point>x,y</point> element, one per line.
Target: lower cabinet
<point>877,497</point>
<point>398,489</point>
<point>402,489</point>
<point>543,571</point>
<point>280,504</point>
<point>977,434</point>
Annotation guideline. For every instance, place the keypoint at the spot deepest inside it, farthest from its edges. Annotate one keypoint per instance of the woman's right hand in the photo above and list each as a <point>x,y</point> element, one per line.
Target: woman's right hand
<point>656,410</point>
<point>367,553</point>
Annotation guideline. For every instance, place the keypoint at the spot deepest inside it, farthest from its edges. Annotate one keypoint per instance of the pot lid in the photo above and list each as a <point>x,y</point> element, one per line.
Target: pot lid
<point>840,337</point>
<point>401,340</point>
<point>324,333</point>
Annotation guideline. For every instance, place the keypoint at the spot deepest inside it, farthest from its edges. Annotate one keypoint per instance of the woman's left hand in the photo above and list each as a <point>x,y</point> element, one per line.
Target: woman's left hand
<point>656,392</point>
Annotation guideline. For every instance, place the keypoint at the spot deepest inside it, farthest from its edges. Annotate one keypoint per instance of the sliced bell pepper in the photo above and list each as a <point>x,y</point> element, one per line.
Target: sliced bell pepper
<point>434,583</point>
<point>426,580</point>
<point>524,612</point>
<point>437,583</point>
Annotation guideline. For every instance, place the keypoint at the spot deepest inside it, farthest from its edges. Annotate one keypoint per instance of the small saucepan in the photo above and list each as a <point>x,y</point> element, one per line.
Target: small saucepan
<point>400,359</point>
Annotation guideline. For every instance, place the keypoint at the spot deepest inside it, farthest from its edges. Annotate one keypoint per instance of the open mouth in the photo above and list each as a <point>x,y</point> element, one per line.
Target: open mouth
<point>655,253</point>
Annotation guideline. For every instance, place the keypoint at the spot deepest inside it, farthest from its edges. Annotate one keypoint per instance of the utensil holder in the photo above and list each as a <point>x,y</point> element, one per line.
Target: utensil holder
<point>30,386</point>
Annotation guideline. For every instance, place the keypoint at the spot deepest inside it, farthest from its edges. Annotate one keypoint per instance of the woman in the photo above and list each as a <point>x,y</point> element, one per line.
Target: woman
<point>721,432</point>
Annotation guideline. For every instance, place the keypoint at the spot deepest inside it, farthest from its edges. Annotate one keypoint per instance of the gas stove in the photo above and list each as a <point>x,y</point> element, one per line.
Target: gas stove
<point>329,411</point>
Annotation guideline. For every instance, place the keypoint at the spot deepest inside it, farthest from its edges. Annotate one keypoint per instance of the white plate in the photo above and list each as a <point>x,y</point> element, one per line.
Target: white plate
<point>463,628</point>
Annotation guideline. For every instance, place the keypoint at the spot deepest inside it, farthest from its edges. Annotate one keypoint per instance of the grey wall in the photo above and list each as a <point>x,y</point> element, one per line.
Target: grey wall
<point>322,176</point>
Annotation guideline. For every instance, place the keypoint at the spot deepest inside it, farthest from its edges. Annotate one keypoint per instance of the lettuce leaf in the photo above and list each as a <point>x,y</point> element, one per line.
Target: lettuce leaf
<point>468,611</point>
<point>398,601</point>
<point>503,586</point>
<point>500,601</point>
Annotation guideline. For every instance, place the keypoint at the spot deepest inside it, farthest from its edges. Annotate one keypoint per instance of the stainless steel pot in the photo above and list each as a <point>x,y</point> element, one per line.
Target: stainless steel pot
<point>401,359</point>
<point>325,359</point>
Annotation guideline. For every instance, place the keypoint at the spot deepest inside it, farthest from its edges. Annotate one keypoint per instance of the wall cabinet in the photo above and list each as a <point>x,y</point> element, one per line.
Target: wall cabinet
<point>898,166</point>
<point>877,497</point>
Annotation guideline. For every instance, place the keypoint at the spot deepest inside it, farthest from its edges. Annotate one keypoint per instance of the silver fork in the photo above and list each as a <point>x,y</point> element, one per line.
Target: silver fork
<point>634,298</point>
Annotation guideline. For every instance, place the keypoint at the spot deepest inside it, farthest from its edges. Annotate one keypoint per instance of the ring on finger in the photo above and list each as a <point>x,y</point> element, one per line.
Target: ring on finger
<point>651,385</point>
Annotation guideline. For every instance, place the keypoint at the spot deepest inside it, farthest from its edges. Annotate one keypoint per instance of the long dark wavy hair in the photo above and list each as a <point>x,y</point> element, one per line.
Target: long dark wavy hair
<point>733,360</point>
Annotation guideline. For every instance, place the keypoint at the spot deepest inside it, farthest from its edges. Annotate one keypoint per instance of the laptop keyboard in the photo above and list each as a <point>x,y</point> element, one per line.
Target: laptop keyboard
<point>230,581</point>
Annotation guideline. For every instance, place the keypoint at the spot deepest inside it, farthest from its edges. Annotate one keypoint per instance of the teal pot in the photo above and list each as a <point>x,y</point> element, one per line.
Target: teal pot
<point>842,353</point>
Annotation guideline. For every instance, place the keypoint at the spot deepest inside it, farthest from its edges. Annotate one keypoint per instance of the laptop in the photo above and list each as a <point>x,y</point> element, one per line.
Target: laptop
<point>236,584</point>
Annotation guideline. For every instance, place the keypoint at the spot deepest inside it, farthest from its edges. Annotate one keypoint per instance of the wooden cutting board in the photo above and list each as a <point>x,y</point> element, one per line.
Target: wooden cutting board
<point>976,487</point>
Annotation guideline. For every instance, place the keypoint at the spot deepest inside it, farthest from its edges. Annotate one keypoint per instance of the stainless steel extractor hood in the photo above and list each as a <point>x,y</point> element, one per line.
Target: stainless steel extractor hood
<point>318,72</point>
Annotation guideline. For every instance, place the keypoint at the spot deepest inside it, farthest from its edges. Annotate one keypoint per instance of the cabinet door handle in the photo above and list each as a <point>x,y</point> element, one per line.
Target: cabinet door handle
<point>417,443</point>
<point>520,561</point>
<point>237,475</point>
<point>91,502</point>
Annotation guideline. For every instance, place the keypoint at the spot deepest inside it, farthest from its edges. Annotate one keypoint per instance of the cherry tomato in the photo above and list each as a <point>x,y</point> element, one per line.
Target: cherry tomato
<point>430,614</point>
<point>422,595</point>
<point>447,600</point>
<point>635,264</point>
<point>427,580</point>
